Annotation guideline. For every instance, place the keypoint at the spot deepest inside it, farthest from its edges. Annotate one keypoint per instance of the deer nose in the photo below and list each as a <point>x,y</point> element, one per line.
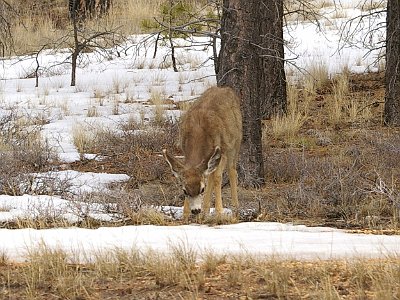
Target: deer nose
<point>196,211</point>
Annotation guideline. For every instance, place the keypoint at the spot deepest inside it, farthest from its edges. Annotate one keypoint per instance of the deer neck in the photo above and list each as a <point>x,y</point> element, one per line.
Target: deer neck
<point>197,149</point>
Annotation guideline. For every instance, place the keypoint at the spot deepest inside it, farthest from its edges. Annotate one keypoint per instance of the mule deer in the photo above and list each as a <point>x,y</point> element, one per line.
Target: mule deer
<point>210,138</point>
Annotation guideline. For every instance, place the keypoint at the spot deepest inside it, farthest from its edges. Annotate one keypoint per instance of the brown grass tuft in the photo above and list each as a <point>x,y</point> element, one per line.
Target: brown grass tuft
<point>141,274</point>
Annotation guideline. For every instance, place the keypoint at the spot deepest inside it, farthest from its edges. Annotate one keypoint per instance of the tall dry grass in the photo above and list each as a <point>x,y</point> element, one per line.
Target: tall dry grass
<point>342,107</point>
<point>129,14</point>
<point>317,75</point>
<point>83,138</point>
<point>40,23</point>
<point>287,126</point>
<point>127,274</point>
<point>300,95</point>
<point>36,24</point>
<point>341,102</point>
<point>157,99</point>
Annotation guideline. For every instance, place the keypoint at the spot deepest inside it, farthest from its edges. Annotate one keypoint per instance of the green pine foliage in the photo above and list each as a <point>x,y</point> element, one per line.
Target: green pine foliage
<point>181,19</point>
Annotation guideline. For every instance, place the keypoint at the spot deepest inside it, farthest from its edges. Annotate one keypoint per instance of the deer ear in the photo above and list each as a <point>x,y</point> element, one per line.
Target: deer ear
<point>175,165</point>
<point>213,162</point>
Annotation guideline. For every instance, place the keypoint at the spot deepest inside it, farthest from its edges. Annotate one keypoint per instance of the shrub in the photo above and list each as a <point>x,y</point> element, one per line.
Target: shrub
<point>23,152</point>
<point>134,149</point>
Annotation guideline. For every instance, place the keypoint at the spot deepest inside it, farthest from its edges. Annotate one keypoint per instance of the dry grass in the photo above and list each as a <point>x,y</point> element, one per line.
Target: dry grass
<point>342,188</point>
<point>343,107</point>
<point>317,76</point>
<point>116,106</point>
<point>339,14</point>
<point>28,35</point>
<point>130,14</point>
<point>119,86</point>
<point>325,3</point>
<point>157,99</point>
<point>123,274</point>
<point>159,78</point>
<point>329,172</point>
<point>83,138</point>
<point>92,111</point>
<point>340,102</point>
<point>287,126</point>
<point>36,24</point>
<point>370,5</point>
<point>43,24</point>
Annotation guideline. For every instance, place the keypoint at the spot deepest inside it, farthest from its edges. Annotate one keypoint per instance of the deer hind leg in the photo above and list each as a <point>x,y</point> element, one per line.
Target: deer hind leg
<point>233,183</point>
<point>217,185</point>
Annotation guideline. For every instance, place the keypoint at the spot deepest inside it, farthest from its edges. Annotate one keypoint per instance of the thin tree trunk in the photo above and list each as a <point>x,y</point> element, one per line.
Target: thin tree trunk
<point>392,76</point>
<point>251,49</point>
<point>173,58</point>
<point>170,33</point>
<point>156,46</point>
<point>76,50</point>
<point>73,68</point>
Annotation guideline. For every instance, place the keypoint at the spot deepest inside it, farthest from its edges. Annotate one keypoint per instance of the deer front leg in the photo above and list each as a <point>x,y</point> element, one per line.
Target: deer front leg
<point>218,194</point>
<point>208,194</point>
<point>186,210</point>
<point>217,186</point>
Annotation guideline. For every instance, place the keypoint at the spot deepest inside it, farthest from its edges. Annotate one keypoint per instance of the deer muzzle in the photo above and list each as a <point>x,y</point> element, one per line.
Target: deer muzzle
<point>195,204</point>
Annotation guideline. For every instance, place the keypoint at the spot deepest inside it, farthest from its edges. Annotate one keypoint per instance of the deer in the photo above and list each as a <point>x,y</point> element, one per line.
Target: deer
<point>210,135</point>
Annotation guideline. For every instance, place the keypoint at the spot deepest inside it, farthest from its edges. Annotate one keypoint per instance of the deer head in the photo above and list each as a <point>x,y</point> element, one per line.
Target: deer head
<point>193,179</point>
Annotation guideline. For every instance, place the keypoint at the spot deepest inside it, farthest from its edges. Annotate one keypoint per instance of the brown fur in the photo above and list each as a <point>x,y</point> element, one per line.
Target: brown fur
<point>210,138</point>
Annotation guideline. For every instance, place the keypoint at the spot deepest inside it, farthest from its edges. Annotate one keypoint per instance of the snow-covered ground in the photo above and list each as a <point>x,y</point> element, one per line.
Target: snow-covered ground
<point>256,239</point>
<point>128,82</point>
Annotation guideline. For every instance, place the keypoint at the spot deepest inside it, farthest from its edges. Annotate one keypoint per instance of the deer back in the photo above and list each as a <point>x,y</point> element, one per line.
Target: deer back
<point>214,120</point>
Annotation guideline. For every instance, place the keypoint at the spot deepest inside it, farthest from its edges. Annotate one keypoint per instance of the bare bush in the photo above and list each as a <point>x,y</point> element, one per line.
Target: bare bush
<point>124,207</point>
<point>23,152</point>
<point>134,149</point>
<point>354,186</point>
<point>284,166</point>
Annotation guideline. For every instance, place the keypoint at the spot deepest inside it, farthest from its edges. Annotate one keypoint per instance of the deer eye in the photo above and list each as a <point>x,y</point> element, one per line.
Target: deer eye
<point>202,190</point>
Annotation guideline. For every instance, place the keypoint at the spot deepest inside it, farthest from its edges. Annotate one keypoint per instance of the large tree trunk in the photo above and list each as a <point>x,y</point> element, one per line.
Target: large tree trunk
<point>392,76</point>
<point>251,62</point>
<point>272,55</point>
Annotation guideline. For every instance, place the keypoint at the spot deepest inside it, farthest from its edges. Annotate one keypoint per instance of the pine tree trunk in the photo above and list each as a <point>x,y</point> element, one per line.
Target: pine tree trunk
<point>251,62</point>
<point>272,53</point>
<point>392,76</point>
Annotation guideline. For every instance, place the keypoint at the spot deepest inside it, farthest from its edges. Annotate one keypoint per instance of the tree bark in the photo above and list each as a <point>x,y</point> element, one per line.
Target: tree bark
<point>272,54</point>
<point>392,76</point>
<point>76,50</point>
<point>251,62</point>
<point>74,59</point>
